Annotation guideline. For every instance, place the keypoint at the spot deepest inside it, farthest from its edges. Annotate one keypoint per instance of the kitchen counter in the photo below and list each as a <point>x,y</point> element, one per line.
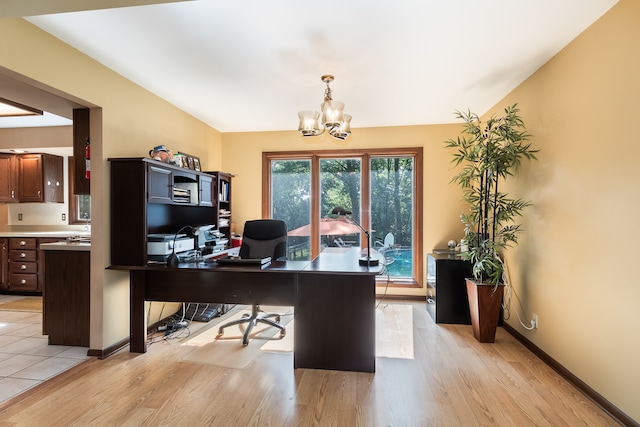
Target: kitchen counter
<point>61,234</point>
<point>66,246</point>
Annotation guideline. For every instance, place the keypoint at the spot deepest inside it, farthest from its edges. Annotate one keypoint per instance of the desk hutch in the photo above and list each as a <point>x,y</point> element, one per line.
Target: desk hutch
<point>148,196</point>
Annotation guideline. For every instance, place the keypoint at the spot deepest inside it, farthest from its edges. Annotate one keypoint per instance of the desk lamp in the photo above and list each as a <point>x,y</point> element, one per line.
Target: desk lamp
<point>173,259</point>
<point>368,261</point>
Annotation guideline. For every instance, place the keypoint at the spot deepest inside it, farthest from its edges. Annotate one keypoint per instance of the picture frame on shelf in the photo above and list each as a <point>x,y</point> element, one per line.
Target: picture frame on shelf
<point>190,162</point>
<point>181,160</point>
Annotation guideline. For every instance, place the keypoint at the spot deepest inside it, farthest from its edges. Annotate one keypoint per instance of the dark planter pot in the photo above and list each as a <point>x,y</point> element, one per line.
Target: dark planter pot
<point>484,307</point>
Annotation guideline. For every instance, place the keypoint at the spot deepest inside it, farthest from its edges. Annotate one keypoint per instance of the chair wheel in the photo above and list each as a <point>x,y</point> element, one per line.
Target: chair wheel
<point>283,333</point>
<point>245,315</point>
<point>245,343</point>
<point>277,319</point>
<point>220,332</point>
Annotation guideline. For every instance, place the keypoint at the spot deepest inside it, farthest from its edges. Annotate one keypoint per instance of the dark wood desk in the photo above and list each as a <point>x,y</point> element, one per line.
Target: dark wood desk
<point>333,299</point>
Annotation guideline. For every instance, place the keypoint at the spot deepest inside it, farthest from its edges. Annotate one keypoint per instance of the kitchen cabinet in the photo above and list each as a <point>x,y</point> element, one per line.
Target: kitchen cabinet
<point>4,263</point>
<point>8,178</point>
<point>40,178</point>
<point>23,267</point>
<point>40,259</point>
<point>31,178</point>
<point>22,264</point>
<point>66,313</point>
<point>81,184</point>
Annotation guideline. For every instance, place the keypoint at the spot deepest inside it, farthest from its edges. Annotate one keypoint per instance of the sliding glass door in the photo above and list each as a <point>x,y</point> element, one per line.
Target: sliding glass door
<point>380,190</point>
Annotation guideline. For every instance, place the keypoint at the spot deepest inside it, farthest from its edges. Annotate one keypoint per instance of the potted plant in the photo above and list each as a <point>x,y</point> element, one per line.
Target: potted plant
<point>489,152</point>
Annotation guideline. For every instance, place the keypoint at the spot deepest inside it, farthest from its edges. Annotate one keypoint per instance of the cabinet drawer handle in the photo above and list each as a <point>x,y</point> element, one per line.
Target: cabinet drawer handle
<point>23,255</point>
<point>22,243</point>
<point>23,267</point>
<point>23,282</point>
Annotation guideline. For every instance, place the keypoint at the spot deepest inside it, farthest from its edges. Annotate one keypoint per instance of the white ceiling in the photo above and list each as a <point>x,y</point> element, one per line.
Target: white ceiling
<point>251,65</point>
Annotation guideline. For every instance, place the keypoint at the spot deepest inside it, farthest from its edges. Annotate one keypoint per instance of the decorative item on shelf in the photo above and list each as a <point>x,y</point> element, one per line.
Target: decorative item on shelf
<point>332,118</point>
<point>489,153</point>
<point>163,154</point>
<point>189,161</point>
<point>173,259</point>
<point>368,260</point>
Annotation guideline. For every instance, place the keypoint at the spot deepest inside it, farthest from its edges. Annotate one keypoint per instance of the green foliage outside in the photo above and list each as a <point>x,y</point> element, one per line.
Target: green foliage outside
<point>391,196</point>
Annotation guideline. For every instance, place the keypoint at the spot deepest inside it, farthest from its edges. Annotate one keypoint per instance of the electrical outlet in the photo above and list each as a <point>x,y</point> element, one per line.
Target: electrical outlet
<point>19,217</point>
<point>64,217</point>
<point>534,321</point>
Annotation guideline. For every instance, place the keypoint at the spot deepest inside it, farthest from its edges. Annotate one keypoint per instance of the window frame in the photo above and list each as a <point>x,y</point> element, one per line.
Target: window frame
<point>365,155</point>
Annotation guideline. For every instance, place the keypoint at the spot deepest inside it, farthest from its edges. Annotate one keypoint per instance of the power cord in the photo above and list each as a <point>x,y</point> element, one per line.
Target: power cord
<point>506,305</point>
<point>386,287</point>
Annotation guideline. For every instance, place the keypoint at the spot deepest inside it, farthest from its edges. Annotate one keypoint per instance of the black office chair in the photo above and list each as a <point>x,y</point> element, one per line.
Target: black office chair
<point>261,238</point>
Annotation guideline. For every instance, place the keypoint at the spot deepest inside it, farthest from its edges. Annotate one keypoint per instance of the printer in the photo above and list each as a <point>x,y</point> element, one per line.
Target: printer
<point>160,246</point>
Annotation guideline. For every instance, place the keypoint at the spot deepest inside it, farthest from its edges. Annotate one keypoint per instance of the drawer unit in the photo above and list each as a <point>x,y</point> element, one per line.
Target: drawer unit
<point>24,264</point>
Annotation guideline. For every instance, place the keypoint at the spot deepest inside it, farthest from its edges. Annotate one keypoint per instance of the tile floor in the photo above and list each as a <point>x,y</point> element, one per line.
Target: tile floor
<point>26,359</point>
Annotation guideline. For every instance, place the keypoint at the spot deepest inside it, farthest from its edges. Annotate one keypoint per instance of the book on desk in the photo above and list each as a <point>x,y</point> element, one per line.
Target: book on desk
<point>232,260</point>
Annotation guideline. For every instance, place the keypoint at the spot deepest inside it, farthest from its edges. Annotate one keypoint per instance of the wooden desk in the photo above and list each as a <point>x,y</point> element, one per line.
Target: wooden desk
<point>333,299</point>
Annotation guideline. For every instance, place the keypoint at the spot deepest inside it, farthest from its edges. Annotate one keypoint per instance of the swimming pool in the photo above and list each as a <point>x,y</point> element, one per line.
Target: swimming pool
<point>399,262</point>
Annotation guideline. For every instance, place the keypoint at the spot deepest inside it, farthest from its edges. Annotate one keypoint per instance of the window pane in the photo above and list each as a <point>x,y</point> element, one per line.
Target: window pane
<point>339,186</point>
<point>291,202</point>
<point>84,207</point>
<point>392,212</point>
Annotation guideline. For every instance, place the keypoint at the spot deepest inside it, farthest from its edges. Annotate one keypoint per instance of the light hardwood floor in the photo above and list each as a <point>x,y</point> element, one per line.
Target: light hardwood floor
<point>451,381</point>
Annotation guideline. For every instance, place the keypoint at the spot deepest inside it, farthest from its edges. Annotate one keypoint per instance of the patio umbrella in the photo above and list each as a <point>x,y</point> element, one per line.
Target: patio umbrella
<point>328,227</point>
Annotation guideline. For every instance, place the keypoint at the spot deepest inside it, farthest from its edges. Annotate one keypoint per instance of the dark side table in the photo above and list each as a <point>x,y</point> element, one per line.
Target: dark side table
<point>446,289</point>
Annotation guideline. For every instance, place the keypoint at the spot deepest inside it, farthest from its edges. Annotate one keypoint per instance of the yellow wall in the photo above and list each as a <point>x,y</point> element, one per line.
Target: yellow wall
<point>573,264</point>
<point>126,121</point>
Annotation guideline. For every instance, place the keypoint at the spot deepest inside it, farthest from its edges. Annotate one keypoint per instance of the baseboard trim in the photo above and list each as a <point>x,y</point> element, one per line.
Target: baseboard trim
<point>607,406</point>
<point>112,349</point>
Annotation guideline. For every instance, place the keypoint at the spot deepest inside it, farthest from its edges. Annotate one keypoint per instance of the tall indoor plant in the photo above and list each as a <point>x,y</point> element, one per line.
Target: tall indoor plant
<point>489,152</point>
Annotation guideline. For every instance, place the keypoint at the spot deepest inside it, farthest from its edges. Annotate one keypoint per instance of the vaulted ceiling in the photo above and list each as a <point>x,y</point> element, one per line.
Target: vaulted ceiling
<point>251,65</point>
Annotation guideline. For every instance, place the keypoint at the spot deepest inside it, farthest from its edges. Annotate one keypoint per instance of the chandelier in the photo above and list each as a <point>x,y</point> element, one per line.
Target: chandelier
<point>332,119</point>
